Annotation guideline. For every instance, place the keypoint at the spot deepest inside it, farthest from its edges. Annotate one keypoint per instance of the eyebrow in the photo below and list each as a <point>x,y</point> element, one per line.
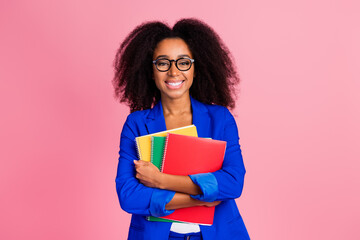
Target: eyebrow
<point>183,55</point>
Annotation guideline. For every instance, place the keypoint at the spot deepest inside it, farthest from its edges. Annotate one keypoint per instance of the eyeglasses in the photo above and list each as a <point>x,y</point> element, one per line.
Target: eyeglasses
<point>183,64</point>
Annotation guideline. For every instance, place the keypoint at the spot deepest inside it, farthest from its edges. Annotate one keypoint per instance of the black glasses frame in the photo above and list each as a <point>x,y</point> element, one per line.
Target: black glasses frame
<point>176,63</point>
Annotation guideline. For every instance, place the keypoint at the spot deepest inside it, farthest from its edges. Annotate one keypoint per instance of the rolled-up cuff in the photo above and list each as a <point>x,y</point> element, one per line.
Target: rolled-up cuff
<point>159,199</point>
<point>208,185</point>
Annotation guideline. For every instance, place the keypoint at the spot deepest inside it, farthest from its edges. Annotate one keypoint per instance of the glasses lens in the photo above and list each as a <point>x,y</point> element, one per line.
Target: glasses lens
<point>163,64</point>
<point>184,64</point>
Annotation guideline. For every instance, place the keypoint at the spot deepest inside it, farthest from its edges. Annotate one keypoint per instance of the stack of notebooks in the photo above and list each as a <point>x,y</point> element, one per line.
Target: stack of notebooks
<point>180,152</point>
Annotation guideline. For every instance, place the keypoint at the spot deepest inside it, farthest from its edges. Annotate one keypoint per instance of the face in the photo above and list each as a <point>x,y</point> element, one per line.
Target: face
<point>173,84</point>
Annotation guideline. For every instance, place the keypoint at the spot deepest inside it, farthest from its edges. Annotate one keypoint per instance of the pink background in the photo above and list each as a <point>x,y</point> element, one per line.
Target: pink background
<point>297,112</point>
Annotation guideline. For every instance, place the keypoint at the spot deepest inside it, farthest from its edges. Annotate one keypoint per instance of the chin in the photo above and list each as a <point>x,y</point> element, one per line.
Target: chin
<point>174,96</point>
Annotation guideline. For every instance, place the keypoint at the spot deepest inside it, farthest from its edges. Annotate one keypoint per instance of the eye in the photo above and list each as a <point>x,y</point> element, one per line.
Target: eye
<point>184,62</point>
<point>162,63</point>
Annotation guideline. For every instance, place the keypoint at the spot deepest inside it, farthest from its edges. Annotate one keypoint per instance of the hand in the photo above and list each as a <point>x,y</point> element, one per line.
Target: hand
<point>211,204</point>
<point>147,173</point>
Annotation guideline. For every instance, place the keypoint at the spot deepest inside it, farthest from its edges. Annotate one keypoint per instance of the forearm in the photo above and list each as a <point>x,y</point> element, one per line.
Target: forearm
<point>182,200</point>
<point>182,184</point>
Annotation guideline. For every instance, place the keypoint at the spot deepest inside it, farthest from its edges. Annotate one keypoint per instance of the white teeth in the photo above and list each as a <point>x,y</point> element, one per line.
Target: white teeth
<point>175,83</point>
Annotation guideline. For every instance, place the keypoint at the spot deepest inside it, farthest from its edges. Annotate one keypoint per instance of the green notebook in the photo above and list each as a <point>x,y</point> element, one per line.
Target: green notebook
<point>157,152</point>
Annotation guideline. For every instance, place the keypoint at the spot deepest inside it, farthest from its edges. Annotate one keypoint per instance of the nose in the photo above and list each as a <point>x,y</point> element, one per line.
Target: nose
<point>173,71</point>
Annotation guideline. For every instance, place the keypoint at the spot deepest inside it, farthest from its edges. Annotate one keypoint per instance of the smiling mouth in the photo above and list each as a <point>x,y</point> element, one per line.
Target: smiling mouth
<point>174,84</point>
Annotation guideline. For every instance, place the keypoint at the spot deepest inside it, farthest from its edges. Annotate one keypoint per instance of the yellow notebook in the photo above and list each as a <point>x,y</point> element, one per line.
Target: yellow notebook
<point>143,143</point>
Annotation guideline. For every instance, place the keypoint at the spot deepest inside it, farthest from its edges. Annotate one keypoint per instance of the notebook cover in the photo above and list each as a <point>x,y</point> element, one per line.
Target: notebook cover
<point>186,155</point>
<point>157,152</point>
<point>143,143</point>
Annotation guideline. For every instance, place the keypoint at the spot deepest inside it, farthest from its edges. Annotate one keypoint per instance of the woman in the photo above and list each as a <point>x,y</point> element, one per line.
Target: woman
<point>172,78</point>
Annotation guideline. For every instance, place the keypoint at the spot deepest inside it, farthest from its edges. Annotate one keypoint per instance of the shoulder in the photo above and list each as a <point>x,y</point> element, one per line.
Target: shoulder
<point>218,112</point>
<point>135,123</point>
<point>222,122</point>
<point>212,109</point>
<point>225,123</point>
<point>138,116</point>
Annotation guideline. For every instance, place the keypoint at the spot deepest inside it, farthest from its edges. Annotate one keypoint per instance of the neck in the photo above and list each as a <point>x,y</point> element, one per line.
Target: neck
<point>176,106</point>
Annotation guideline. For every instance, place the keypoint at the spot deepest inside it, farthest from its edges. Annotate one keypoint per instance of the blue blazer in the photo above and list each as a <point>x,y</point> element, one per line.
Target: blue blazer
<point>223,185</point>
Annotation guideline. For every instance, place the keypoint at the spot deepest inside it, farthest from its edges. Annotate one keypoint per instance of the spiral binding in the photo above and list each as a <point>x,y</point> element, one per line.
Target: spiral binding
<point>152,149</point>
<point>137,148</point>
<point>165,148</point>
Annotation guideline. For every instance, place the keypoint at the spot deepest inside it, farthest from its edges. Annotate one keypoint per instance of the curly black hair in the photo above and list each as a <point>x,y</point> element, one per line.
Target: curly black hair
<point>215,71</point>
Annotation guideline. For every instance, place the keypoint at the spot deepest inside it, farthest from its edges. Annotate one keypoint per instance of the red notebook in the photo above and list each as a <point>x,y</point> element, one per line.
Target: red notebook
<point>186,155</point>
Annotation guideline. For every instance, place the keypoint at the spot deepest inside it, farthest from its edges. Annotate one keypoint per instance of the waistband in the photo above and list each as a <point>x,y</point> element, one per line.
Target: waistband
<point>186,236</point>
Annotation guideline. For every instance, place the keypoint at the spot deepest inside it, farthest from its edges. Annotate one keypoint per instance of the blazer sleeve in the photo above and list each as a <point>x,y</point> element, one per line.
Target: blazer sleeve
<point>226,183</point>
<point>135,197</point>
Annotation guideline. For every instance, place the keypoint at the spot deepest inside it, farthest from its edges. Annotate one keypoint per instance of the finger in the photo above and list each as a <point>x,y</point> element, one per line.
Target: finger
<point>140,177</point>
<point>146,183</point>
<point>142,162</point>
<point>137,164</point>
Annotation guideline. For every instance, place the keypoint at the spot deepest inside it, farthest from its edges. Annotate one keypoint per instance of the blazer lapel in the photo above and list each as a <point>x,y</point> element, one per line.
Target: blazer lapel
<point>201,118</point>
<point>155,121</point>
